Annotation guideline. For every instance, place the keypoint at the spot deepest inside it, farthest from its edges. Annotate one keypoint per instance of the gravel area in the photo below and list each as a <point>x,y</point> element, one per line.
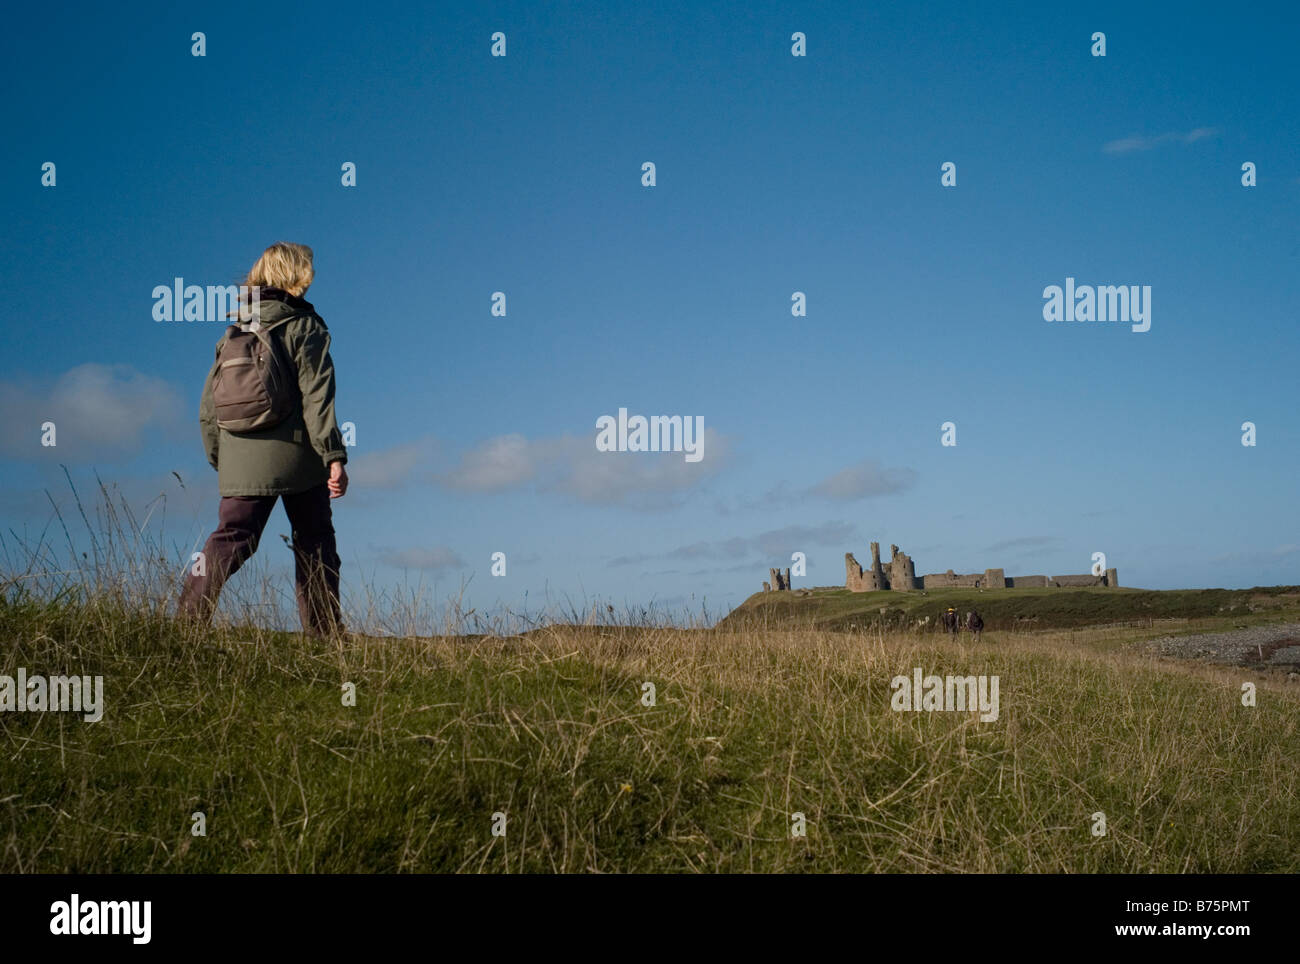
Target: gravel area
<point>1277,645</point>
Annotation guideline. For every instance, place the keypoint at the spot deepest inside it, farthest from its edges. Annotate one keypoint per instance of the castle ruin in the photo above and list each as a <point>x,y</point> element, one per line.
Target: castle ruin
<point>779,580</point>
<point>899,575</point>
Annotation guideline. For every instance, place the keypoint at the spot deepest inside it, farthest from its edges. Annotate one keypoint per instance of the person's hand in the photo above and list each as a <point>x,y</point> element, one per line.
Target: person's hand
<point>338,481</point>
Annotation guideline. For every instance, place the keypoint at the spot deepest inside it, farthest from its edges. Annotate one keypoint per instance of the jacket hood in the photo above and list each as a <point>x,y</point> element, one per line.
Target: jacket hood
<point>275,304</point>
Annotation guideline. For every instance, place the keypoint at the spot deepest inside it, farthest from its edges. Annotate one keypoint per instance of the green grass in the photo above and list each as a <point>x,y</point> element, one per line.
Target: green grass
<point>749,727</point>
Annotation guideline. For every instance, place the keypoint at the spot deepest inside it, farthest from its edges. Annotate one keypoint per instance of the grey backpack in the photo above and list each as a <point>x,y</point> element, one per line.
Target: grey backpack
<point>255,385</point>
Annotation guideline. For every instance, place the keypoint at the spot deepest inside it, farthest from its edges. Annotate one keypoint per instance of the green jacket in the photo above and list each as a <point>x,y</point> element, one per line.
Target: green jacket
<point>293,456</point>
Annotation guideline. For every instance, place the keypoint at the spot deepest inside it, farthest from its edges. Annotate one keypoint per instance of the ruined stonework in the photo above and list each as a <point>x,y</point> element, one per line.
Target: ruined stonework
<point>779,580</point>
<point>1077,581</point>
<point>859,581</point>
<point>900,575</point>
<point>989,579</point>
<point>1029,582</point>
<point>902,572</point>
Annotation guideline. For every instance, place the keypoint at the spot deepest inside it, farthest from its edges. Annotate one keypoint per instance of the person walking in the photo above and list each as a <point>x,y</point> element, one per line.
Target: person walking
<point>975,623</point>
<point>950,621</point>
<point>267,420</point>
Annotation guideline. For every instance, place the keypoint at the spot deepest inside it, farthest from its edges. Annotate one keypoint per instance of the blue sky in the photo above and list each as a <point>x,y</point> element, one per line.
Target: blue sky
<point>775,174</point>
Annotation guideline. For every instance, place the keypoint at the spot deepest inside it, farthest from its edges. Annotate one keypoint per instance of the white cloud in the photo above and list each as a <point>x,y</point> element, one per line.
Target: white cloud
<point>1144,142</point>
<point>572,466</point>
<point>795,538</point>
<point>773,544</point>
<point>863,481</point>
<point>499,463</point>
<point>99,412</point>
<point>391,467</point>
<point>1038,543</point>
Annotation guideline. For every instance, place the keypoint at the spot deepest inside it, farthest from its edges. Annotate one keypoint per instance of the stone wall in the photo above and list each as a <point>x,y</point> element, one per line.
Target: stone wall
<point>1088,580</point>
<point>854,580</point>
<point>951,580</point>
<point>1109,580</point>
<point>1027,582</point>
<point>988,579</point>
<point>899,574</point>
<point>857,579</point>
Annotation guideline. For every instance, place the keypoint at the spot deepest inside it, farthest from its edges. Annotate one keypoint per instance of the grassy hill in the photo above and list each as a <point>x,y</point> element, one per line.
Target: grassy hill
<point>749,728</point>
<point>839,609</point>
<point>782,711</point>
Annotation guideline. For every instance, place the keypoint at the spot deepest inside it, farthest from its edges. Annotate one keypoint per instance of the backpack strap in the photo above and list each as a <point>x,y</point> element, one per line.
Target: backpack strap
<point>276,346</point>
<point>230,330</point>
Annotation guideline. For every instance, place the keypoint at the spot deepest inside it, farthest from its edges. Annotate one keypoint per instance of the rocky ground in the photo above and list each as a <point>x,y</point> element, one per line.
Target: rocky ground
<point>1273,647</point>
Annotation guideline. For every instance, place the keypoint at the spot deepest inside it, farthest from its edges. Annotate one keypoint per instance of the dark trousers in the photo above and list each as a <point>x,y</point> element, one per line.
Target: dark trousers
<point>316,560</point>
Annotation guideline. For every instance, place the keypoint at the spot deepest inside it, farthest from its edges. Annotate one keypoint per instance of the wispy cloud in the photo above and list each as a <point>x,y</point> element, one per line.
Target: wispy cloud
<point>782,542</point>
<point>1039,543</point>
<point>774,544</point>
<point>497,464</point>
<point>1147,142</point>
<point>99,412</point>
<point>572,466</point>
<point>391,467</point>
<point>863,481</point>
<point>1259,557</point>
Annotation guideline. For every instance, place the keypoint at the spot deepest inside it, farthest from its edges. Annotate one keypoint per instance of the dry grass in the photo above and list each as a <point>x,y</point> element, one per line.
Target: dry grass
<point>549,728</point>
<point>749,727</point>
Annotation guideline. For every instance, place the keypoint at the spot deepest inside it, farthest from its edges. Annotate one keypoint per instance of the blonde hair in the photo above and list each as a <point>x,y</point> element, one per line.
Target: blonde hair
<point>283,265</point>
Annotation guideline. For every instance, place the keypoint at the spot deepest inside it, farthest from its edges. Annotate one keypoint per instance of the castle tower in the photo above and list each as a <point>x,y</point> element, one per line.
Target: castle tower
<point>778,580</point>
<point>902,571</point>
<point>852,573</point>
<point>877,572</point>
